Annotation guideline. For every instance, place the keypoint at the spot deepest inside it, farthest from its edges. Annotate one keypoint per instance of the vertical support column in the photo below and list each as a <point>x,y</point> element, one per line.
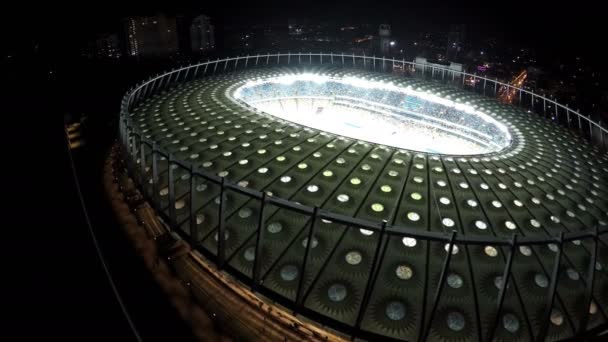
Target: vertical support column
<point>353,60</point>
<point>206,66</point>
<point>258,244</point>
<point>142,164</point>
<point>133,146</point>
<point>311,234</point>
<point>342,58</point>
<point>130,100</point>
<point>299,57</point>
<point>426,328</point>
<point>155,190</point>
<point>544,328</point>
<point>194,231</point>
<point>127,146</point>
<point>226,63</point>
<point>150,89</point>
<point>167,79</point>
<point>503,289</point>
<point>136,97</point>
<point>195,72</point>
<point>584,319</point>
<point>310,58</point>
<point>495,86</point>
<point>171,185</point>
<point>170,78</point>
<point>288,58</point>
<point>236,62</point>
<point>187,72</point>
<point>484,85</point>
<point>278,58</point>
<point>267,58</point>
<point>256,59</point>
<point>129,149</point>
<point>321,58</point>
<point>123,129</point>
<point>373,274</point>
<point>580,125</point>
<point>520,96</point>
<point>568,115</point>
<point>374,63</point>
<point>221,242</point>
<point>532,103</point>
<point>215,66</point>
<point>332,58</point>
<point>168,83</point>
<point>146,89</point>
<point>246,61</point>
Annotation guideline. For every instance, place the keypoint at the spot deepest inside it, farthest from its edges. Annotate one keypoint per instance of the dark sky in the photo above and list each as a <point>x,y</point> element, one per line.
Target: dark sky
<point>547,25</point>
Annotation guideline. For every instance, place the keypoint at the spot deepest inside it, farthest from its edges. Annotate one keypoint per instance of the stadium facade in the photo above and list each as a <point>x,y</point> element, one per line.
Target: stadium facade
<point>405,205</point>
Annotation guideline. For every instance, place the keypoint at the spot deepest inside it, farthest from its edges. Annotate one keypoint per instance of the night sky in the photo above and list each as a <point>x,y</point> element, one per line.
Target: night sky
<point>547,25</point>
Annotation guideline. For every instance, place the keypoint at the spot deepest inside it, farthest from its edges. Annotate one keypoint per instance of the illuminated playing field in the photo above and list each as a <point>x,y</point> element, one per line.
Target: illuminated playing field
<point>377,112</point>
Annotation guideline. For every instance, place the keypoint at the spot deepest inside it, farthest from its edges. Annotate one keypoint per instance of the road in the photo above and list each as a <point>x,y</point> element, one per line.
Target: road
<point>509,94</point>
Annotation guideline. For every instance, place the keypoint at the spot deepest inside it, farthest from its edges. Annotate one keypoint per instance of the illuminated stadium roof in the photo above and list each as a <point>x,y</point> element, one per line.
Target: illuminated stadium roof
<point>447,160</point>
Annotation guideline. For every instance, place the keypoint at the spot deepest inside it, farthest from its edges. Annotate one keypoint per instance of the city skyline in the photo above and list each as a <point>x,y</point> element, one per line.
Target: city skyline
<point>554,63</point>
<point>532,23</point>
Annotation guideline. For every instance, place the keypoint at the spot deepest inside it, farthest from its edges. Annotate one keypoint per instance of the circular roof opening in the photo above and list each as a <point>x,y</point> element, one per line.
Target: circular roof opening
<point>378,112</point>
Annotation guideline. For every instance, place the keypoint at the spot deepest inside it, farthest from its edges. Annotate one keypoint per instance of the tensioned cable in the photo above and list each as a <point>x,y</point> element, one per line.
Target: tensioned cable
<point>98,250</point>
<point>434,195</point>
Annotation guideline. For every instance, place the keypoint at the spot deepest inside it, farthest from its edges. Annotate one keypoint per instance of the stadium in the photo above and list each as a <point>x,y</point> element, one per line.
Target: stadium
<point>379,199</point>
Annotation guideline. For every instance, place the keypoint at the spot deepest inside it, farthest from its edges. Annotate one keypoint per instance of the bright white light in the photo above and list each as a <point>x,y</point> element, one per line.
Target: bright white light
<point>392,43</point>
<point>378,112</point>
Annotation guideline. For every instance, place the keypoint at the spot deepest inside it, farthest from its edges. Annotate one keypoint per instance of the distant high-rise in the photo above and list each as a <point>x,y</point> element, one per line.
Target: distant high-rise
<point>105,46</point>
<point>384,31</point>
<point>202,34</point>
<point>455,41</point>
<point>154,36</point>
<point>298,27</point>
<point>292,27</point>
